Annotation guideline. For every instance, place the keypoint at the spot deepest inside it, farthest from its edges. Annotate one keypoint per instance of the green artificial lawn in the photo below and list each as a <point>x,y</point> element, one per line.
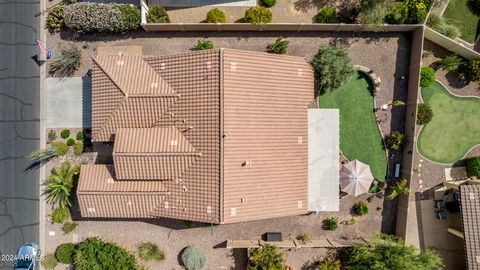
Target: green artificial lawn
<point>458,14</point>
<point>455,126</point>
<point>360,137</point>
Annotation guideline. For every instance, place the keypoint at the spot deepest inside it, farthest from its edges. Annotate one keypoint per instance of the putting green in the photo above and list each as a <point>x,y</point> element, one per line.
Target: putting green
<point>455,126</point>
<point>360,137</point>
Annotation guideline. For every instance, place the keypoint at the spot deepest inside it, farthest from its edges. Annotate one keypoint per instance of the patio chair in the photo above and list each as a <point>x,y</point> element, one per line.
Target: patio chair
<point>439,204</point>
<point>441,215</point>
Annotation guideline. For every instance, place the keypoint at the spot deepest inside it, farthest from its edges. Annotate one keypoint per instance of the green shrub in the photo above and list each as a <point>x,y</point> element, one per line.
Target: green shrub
<point>78,148</point>
<point>49,261</point>
<point>451,31</point>
<point>351,221</point>
<point>399,187</point>
<point>257,15</point>
<point>216,15</point>
<point>280,46</point>
<point>330,224</point>
<point>471,70</point>
<point>417,10</point>
<point>69,61</point>
<point>69,227</point>
<point>203,44</point>
<point>450,63</point>
<point>474,6</point>
<point>326,15</point>
<point>94,253</point>
<point>332,67</point>
<point>269,3</point>
<point>330,265</point>
<point>427,76</point>
<point>473,166</point>
<point>157,14</point>
<point>91,17</point>
<point>80,136</point>
<point>150,252</point>
<point>61,148</point>
<point>424,114</point>
<point>395,140</point>
<point>56,18</point>
<point>194,258</point>
<point>70,142</point>
<point>361,208</point>
<point>305,237</point>
<point>52,135</point>
<point>437,23</point>
<point>266,258</point>
<point>65,133</point>
<point>65,253</point>
<point>60,214</point>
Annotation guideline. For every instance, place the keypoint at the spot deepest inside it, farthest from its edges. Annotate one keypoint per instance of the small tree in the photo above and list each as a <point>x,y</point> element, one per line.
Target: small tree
<point>450,63</point>
<point>257,15</point>
<point>361,208</point>
<point>203,44</point>
<point>266,258</point>
<point>424,114</point>
<point>474,6</point>
<point>280,46</point>
<point>400,187</point>
<point>330,224</point>
<point>69,61</point>
<point>216,15</point>
<point>150,252</point>
<point>194,258</point>
<point>332,66</point>
<point>395,140</point>
<point>427,76</point>
<point>326,15</point>
<point>157,14</point>
<point>473,166</point>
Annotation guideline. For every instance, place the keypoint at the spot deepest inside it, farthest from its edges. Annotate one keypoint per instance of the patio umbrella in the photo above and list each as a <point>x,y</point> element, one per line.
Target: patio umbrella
<point>355,178</point>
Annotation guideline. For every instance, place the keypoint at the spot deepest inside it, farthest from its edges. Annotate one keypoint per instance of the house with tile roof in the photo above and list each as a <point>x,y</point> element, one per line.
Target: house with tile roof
<point>216,136</point>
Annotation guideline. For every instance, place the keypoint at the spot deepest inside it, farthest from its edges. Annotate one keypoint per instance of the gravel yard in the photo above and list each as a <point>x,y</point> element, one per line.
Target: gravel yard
<point>386,53</point>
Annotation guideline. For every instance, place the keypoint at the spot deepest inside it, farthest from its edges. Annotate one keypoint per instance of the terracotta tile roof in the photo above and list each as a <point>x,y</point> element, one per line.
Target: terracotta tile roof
<point>152,153</point>
<point>266,98</point>
<point>470,205</point>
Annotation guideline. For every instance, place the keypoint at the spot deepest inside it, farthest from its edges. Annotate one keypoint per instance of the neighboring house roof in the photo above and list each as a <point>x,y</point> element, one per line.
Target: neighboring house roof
<point>240,124</point>
<point>470,205</point>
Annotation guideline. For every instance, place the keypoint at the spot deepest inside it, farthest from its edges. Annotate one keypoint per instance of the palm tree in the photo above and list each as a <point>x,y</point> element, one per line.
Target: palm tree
<point>399,187</point>
<point>395,140</point>
<point>59,184</point>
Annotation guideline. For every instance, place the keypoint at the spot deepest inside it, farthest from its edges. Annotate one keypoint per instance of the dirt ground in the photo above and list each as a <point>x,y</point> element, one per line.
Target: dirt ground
<point>386,53</point>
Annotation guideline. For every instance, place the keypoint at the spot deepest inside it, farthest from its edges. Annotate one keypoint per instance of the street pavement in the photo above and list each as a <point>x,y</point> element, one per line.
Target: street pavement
<point>19,125</point>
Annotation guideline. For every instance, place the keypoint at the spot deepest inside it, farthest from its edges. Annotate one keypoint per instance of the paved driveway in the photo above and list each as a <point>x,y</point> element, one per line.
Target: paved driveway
<point>68,102</point>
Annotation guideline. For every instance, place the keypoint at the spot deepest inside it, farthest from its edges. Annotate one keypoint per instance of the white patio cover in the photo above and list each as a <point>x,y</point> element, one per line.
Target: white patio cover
<point>355,178</point>
<point>323,158</point>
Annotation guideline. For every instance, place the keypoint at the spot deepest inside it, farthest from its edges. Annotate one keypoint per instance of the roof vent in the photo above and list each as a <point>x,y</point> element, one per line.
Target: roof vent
<point>166,205</point>
<point>91,209</point>
<point>110,181</point>
<point>299,72</point>
<point>162,66</point>
<point>233,65</point>
<point>471,196</point>
<point>120,63</point>
<point>233,211</point>
<point>243,200</point>
<point>477,258</point>
<point>299,204</point>
<point>247,163</point>
<point>209,65</point>
<point>184,188</point>
<point>188,129</point>
<point>300,140</point>
<point>209,209</point>
<point>121,54</point>
<point>173,142</point>
<point>129,203</point>
<point>154,85</point>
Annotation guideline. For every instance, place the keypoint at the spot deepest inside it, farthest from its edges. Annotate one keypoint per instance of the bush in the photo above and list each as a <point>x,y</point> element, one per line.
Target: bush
<point>69,60</point>
<point>471,70</point>
<point>305,237</point>
<point>59,215</point>
<point>69,227</point>
<point>450,63</point>
<point>203,44</point>
<point>332,66</point>
<point>65,133</point>
<point>451,31</point>
<point>70,142</point>
<point>269,3</point>
<point>424,114</point>
<point>326,15</point>
<point>56,18</point>
<point>49,261</point>
<point>395,140</point>
<point>94,253</point>
<point>157,14</point>
<point>266,258</point>
<point>474,6</point>
<point>330,265</point>
<point>417,10</point>
<point>78,148</point>
<point>95,17</point>
<point>361,208</point>
<point>61,148</point>
<point>427,76</point>
<point>194,258</point>
<point>257,15</point>
<point>80,136</point>
<point>351,221</point>
<point>330,224</point>
<point>280,46</point>
<point>150,252</point>
<point>437,23</point>
<point>52,135</point>
<point>473,166</point>
<point>65,253</point>
<point>216,15</point>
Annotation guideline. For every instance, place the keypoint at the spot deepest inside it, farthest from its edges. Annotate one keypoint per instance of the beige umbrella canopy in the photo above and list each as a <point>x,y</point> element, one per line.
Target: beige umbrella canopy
<point>355,178</point>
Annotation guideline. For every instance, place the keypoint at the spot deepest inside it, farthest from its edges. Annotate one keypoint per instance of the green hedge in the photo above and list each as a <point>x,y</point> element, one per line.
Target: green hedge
<point>257,15</point>
<point>473,166</point>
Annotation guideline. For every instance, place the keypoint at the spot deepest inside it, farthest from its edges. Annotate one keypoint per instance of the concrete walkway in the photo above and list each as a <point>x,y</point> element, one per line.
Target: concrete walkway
<point>68,102</point>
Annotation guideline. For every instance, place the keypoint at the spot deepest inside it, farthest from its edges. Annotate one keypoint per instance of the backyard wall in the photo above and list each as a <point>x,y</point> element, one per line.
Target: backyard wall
<point>450,44</point>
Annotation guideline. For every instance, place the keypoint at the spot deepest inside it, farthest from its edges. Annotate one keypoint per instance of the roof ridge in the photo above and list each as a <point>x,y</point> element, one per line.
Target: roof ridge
<point>108,75</point>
